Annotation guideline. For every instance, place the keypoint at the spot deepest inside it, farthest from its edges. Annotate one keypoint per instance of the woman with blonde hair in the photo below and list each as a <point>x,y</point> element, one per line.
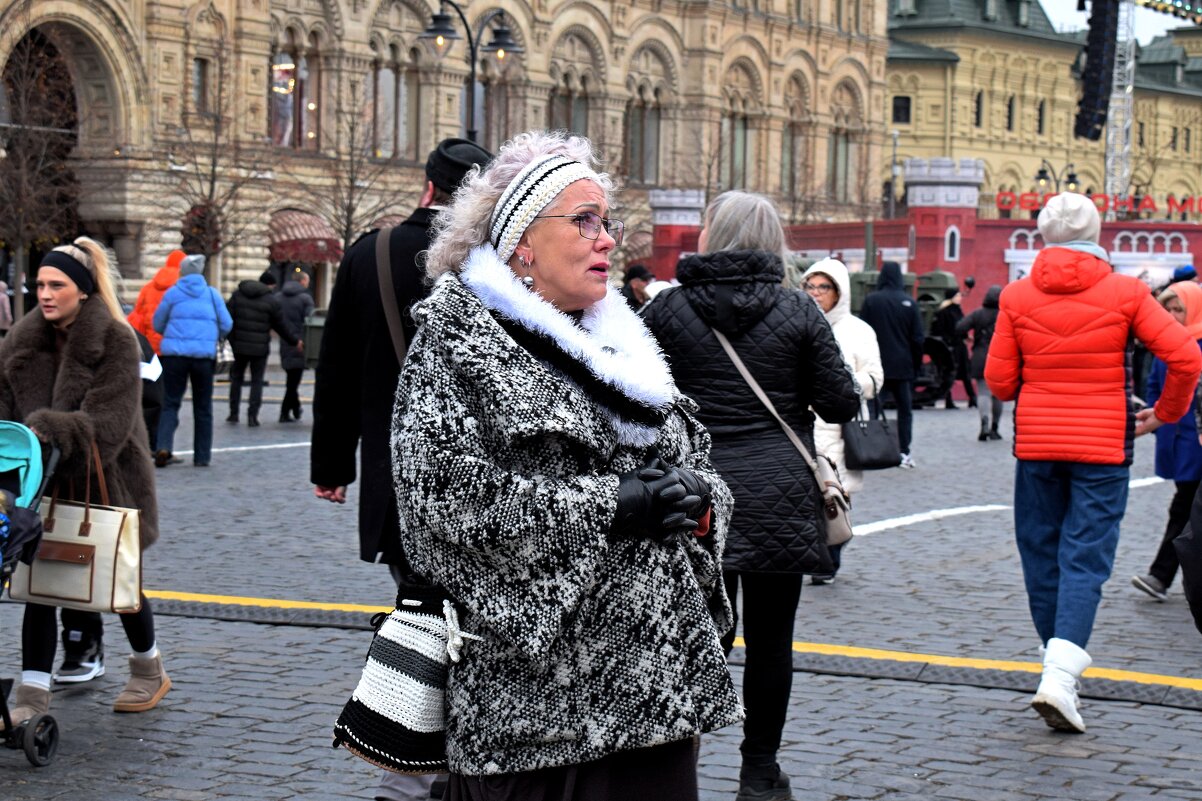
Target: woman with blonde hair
<point>70,371</point>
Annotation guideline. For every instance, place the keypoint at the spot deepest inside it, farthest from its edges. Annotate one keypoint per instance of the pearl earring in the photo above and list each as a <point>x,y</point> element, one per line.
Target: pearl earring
<point>527,281</point>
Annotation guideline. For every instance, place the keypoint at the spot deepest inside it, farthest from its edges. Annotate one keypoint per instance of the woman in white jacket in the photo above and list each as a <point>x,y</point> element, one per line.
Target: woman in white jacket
<point>827,283</point>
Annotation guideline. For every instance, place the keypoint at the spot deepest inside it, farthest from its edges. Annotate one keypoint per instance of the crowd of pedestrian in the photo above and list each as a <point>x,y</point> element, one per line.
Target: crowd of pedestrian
<point>602,483</point>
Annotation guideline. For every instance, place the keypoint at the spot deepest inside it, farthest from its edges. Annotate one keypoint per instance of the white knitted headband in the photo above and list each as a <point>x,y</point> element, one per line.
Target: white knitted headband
<point>531,191</point>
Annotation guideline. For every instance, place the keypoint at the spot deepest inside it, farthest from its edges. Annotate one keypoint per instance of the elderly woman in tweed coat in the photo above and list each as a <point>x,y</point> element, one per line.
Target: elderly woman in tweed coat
<point>554,481</point>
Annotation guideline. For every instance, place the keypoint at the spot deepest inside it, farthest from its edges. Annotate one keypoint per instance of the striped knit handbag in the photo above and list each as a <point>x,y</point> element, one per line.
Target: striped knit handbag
<point>396,717</point>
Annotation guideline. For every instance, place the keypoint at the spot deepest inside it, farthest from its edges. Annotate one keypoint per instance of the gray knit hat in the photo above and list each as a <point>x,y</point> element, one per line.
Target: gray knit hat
<point>192,265</point>
<point>1070,217</point>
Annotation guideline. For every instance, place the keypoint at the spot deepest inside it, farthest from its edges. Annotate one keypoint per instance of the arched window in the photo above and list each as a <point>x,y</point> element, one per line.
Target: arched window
<point>1010,115</point>
<point>951,244</point>
<point>294,108</point>
<point>394,95</point>
<point>567,109</point>
<point>794,156</point>
<point>1041,117</point>
<point>978,109</point>
<point>642,136</point>
<point>736,145</point>
<point>843,157</point>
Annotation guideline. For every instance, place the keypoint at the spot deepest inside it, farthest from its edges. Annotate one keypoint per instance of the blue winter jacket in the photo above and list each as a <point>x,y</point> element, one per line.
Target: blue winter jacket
<point>191,317</point>
<point>1178,454</point>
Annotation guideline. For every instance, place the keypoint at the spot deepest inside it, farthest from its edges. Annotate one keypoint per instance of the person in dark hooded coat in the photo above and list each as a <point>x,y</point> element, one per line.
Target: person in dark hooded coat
<point>981,323</point>
<point>256,312</point>
<point>778,529</point>
<point>894,316</point>
<point>297,305</point>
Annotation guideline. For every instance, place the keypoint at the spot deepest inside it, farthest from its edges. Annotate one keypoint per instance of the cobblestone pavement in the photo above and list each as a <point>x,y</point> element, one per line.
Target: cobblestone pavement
<point>252,707</point>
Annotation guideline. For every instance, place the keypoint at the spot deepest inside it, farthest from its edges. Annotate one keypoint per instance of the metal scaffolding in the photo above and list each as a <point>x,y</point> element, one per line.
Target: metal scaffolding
<point>1121,110</point>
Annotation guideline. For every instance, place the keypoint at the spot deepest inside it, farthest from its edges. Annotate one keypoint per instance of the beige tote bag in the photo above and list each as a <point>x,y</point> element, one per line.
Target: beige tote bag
<point>90,557</point>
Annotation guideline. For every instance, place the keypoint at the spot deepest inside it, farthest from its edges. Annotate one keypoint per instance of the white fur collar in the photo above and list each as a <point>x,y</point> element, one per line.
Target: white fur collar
<point>611,340</point>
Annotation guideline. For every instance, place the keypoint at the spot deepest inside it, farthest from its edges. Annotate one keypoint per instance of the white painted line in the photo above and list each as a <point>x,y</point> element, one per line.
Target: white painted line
<point>939,514</point>
<point>925,517</point>
<point>251,448</point>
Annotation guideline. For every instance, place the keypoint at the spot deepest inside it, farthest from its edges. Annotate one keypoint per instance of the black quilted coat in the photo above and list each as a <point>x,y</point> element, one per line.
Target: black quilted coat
<point>788,346</point>
<point>256,311</point>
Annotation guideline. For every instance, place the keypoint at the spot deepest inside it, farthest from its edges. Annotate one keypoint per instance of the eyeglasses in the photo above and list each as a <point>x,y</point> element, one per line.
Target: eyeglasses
<point>590,224</point>
<point>817,289</point>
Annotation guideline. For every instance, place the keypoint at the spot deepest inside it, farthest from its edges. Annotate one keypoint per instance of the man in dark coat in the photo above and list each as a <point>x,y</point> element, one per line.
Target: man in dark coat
<point>357,373</point>
<point>943,326</point>
<point>634,285</point>
<point>894,317</point>
<point>256,312</point>
<point>297,305</point>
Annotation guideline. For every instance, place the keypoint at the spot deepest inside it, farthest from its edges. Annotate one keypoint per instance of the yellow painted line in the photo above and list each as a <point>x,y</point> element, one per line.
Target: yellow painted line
<point>272,603</point>
<point>826,649</point>
<point>986,664</point>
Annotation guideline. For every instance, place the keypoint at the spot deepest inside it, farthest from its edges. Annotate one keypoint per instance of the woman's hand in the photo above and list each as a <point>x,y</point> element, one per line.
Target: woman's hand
<point>332,494</point>
<point>660,501</point>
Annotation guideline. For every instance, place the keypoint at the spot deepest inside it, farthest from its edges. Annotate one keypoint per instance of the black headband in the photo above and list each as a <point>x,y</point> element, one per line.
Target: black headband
<point>73,267</point>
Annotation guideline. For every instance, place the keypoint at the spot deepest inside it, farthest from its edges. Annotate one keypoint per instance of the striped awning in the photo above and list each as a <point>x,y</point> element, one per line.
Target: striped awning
<point>295,235</point>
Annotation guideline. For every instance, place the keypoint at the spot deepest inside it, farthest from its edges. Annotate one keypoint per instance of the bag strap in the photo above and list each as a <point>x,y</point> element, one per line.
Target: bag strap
<point>104,487</point>
<point>759,393</point>
<point>392,312</point>
<point>214,296</point>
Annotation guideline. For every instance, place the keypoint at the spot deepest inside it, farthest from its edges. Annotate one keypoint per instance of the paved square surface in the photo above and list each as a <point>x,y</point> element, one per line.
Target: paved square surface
<point>253,704</point>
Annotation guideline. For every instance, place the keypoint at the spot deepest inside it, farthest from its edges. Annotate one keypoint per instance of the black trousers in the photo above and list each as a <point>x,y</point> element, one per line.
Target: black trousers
<point>1164,566</point>
<point>901,390</point>
<point>292,392</point>
<point>258,366</point>
<point>663,772</point>
<point>39,634</point>
<point>769,610</point>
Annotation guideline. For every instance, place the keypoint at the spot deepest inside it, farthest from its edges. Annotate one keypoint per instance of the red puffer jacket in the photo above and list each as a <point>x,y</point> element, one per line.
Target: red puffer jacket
<point>1061,348</point>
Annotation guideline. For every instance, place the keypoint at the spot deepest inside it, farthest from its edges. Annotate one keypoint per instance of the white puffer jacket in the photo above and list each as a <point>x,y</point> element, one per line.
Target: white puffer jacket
<point>858,342</point>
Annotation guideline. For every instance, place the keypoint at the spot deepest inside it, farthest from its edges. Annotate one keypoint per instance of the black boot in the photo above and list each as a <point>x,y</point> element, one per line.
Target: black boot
<point>233,418</point>
<point>252,419</point>
<point>993,433</point>
<point>763,784</point>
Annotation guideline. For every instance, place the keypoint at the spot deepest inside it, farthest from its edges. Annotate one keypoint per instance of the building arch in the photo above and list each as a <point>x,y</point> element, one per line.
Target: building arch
<point>571,44</point>
<point>659,70</point>
<point>750,49</point>
<point>654,32</point>
<point>111,86</point>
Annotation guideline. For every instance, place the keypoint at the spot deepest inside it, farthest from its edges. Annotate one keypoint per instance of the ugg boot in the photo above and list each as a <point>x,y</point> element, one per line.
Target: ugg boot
<point>147,685</point>
<point>1056,699</point>
<point>27,702</point>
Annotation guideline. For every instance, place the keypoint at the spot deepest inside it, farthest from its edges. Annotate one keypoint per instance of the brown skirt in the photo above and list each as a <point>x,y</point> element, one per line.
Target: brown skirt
<point>663,772</point>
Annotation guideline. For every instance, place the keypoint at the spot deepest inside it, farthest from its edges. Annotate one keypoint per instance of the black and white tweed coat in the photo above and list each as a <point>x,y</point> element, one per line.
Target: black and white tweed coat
<point>511,426</point>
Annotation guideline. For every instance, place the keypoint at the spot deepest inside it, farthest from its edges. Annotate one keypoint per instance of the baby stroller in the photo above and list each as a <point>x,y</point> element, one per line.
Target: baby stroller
<point>22,482</point>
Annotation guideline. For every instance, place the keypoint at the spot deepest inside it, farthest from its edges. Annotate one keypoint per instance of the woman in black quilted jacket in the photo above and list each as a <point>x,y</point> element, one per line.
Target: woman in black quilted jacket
<point>778,530</point>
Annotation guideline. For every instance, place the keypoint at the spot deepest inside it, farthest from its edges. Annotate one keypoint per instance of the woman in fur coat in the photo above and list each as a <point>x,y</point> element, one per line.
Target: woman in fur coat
<point>553,480</point>
<point>70,371</point>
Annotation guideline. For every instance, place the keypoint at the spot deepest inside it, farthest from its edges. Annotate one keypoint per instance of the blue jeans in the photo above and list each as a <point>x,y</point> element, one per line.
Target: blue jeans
<point>1066,524</point>
<point>177,370</point>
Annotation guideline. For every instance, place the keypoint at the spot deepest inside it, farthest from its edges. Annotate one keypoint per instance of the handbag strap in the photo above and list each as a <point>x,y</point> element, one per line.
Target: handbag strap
<point>392,312</point>
<point>759,393</point>
<point>213,298</point>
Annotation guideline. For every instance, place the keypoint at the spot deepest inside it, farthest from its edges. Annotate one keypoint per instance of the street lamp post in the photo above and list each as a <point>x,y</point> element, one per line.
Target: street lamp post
<point>1047,173</point>
<point>440,35</point>
<point>893,171</point>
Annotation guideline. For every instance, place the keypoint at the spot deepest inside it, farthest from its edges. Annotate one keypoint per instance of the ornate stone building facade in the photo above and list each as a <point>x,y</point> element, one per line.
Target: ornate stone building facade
<point>992,79</point>
<point>272,99</point>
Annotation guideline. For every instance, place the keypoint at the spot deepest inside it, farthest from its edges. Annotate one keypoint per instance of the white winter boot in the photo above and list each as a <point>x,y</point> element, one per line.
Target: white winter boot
<point>1056,698</point>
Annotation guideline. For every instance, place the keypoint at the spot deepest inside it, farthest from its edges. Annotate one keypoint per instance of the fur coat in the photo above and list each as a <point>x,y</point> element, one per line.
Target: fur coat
<point>511,428</point>
<point>94,392</point>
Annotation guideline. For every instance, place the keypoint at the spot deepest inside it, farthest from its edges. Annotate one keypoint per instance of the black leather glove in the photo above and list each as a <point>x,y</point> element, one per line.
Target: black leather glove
<point>659,501</point>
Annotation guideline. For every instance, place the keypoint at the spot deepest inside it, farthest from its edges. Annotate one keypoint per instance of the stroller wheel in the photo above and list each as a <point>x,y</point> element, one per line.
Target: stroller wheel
<point>41,740</point>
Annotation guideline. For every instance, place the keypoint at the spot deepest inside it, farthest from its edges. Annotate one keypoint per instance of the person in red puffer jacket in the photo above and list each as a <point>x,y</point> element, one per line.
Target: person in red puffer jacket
<point>1062,348</point>
<point>141,319</point>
